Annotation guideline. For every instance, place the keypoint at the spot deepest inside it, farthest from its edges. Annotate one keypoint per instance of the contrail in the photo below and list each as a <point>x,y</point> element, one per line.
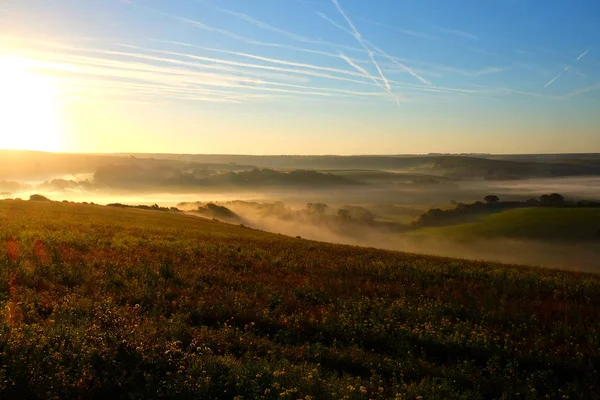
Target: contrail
<point>361,41</point>
<point>404,67</point>
<point>360,69</point>
<point>557,76</point>
<point>457,32</point>
<point>293,36</point>
<point>567,67</point>
<point>332,22</point>
<point>583,54</point>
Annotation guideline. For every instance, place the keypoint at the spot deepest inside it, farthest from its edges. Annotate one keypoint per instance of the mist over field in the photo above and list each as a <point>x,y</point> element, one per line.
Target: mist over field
<point>395,190</point>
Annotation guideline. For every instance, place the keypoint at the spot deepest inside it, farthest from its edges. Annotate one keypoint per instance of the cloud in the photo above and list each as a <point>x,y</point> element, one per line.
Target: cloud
<point>479,72</point>
<point>361,41</point>
<point>457,32</point>
<point>130,80</point>
<point>293,36</point>
<point>280,62</point>
<point>360,69</point>
<point>259,24</point>
<point>404,31</point>
<point>265,26</point>
<point>583,54</point>
<point>395,61</point>
<point>332,22</point>
<point>583,91</point>
<point>496,89</point>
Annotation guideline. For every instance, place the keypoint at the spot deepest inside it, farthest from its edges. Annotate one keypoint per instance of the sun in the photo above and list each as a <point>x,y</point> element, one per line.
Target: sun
<point>29,108</point>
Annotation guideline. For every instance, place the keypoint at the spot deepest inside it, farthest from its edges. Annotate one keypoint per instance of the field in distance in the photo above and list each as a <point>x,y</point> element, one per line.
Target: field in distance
<point>99,301</point>
<point>549,224</point>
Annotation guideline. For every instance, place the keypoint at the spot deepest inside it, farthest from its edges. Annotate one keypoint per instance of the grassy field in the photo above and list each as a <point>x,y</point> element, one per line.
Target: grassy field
<point>562,224</point>
<point>102,302</point>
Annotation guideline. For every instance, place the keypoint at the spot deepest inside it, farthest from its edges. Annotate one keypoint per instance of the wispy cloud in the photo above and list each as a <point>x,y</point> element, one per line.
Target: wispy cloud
<point>354,32</point>
<point>475,73</point>
<point>259,24</point>
<point>313,69</point>
<point>278,61</point>
<point>299,38</point>
<point>496,89</point>
<point>361,41</point>
<point>396,29</point>
<point>405,68</point>
<point>457,32</point>
<point>361,69</point>
<point>265,26</point>
<point>583,54</point>
<point>146,80</point>
<point>583,91</point>
<point>332,22</point>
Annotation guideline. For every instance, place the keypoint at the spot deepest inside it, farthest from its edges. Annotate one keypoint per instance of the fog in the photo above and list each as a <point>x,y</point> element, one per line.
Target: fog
<point>576,256</point>
<point>578,187</point>
<point>395,197</point>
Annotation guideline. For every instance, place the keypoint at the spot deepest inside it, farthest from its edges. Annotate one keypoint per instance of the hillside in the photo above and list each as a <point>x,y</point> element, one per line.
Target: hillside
<point>540,223</point>
<point>183,169</point>
<point>105,302</point>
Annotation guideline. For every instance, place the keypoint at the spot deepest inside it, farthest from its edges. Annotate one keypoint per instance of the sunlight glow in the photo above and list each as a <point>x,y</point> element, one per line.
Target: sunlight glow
<point>29,109</point>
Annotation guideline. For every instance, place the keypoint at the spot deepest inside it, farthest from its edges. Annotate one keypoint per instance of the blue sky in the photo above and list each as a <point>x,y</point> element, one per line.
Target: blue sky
<point>318,77</point>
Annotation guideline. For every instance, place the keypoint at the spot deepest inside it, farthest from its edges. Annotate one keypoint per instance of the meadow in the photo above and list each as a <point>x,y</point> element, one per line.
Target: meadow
<point>114,302</point>
<point>563,224</point>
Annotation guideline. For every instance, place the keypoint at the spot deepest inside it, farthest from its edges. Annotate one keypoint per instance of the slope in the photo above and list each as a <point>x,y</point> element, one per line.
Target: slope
<point>130,303</point>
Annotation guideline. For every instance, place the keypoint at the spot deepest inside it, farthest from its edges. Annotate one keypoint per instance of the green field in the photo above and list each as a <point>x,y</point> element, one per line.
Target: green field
<point>102,302</point>
<point>540,223</point>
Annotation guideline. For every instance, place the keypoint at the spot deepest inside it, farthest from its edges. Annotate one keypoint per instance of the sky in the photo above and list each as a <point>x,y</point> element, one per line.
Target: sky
<point>300,76</point>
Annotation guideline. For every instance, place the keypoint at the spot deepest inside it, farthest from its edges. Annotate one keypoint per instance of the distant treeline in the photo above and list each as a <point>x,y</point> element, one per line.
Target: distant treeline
<point>436,216</point>
<point>130,176</point>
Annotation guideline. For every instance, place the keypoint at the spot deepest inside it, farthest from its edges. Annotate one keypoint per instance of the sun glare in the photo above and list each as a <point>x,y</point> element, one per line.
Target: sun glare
<point>29,113</point>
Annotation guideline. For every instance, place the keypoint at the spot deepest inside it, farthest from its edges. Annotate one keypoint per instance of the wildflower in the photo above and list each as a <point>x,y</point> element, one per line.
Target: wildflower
<point>363,390</point>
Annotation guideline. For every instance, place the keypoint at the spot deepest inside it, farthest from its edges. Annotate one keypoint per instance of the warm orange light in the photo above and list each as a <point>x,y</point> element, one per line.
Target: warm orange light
<point>29,114</point>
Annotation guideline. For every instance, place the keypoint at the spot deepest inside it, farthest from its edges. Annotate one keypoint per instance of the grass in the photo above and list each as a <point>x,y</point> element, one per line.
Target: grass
<point>102,302</point>
<point>558,224</point>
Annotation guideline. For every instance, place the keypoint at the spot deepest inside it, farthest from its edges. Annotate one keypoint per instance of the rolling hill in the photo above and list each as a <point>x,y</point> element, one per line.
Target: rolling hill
<point>116,302</point>
<point>564,224</point>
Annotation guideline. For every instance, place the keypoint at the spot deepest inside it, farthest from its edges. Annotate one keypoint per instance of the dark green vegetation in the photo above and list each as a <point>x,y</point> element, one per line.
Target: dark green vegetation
<point>564,224</point>
<point>102,302</point>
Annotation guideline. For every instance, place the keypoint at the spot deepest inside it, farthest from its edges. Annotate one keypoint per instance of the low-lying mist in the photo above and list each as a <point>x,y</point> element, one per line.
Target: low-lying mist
<point>398,237</point>
<point>390,231</point>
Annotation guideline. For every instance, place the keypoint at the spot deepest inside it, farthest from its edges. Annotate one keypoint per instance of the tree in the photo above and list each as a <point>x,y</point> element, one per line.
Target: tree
<point>317,208</point>
<point>38,197</point>
<point>361,214</point>
<point>343,214</point>
<point>490,199</point>
<point>553,199</point>
<point>557,199</point>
